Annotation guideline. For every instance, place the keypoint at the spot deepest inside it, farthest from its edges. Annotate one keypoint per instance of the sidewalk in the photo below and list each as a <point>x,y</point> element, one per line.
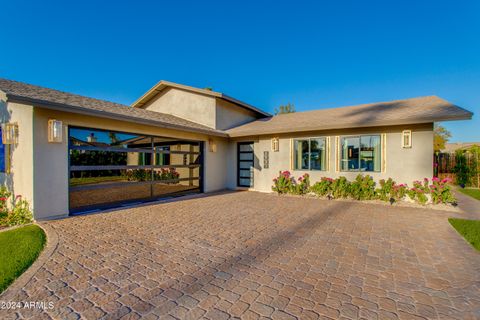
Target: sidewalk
<point>469,205</point>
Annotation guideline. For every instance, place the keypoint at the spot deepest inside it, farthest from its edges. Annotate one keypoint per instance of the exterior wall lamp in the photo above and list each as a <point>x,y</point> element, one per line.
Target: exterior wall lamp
<point>55,131</point>
<point>212,145</point>
<point>9,133</point>
<point>275,144</point>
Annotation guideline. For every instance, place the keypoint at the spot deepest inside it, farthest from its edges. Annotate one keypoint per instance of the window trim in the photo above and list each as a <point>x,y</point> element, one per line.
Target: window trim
<point>340,151</point>
<point>326,150</point>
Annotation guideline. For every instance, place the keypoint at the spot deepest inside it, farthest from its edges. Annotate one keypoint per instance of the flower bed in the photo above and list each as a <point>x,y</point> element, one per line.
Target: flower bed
<point>13,209</point>
<point>434,191</point>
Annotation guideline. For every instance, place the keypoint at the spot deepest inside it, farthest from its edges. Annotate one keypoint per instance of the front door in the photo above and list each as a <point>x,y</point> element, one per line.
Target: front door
<point>245,163</point>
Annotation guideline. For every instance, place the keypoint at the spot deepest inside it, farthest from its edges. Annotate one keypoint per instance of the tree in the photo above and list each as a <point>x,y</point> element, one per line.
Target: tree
<point>288,108</point>
<point>113,137</point>
<point>440,137</point>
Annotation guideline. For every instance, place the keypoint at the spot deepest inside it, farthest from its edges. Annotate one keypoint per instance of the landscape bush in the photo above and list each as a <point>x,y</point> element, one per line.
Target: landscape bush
<point>14,210</point>
<point>284,183</point>
<point>364,187</point>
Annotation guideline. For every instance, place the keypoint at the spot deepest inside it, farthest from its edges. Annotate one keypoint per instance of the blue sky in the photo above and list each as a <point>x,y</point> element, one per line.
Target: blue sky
<point>314,54</point>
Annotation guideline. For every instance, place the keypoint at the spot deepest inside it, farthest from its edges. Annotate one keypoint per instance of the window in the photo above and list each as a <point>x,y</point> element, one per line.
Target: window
<point>309,154</point>
<point>361,153</point>
<point>407,139</point>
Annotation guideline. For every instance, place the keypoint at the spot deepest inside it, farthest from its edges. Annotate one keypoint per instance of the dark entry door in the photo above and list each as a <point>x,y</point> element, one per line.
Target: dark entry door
<point>245,163</point>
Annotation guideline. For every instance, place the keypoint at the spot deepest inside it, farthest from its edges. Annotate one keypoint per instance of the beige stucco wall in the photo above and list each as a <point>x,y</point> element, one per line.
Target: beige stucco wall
<point>207,110</point>
<point>51,160</point>
<point>19,180</point>
<point>216,173</point>
<point>229,115</point>
<point>188,105</point>
<point>403,165</point>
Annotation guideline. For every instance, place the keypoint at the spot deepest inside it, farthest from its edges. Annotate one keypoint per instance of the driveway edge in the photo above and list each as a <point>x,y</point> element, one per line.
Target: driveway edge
<point>24,278</point>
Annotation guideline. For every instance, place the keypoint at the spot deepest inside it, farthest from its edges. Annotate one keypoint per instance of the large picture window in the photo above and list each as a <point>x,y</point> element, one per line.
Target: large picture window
<point>361,153</point>
<point>309,154</point>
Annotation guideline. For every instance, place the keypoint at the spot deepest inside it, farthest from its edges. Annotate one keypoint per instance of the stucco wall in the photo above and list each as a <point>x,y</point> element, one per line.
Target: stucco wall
<point>51,160</point>
<point>216,173</point>
<point>403,165</point>
<point>229,115</point>
<point>191,106</point>
<point>19,180</point>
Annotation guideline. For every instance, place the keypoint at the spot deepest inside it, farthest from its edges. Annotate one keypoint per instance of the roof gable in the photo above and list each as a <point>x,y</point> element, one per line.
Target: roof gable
<point>162,85</point>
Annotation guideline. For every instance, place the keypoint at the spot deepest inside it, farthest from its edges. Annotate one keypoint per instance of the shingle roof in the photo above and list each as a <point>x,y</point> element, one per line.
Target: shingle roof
<point>452,147</point>
<point>408,111</point>
<point>58,100</point>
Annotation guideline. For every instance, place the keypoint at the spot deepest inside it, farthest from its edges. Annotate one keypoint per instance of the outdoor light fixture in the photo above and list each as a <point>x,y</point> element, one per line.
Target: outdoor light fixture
<point>55,131</point>
<point>275,145</point>
<point>407,138</point>
<point>212,145</point>
<point>9,133</point>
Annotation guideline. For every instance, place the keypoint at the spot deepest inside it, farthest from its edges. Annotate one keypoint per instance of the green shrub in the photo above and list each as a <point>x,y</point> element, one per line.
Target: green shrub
<point>301,187</point>
<point>441,192</point>
<point>389,190</point>
<point>462,170</point>
<point>341,188</point>
<point>13,209</point>
<point>284,183</point>
<point>323,187</point>
<point>362,188</point>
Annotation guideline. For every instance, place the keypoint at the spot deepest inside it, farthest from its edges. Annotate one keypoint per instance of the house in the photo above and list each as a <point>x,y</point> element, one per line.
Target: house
<point>69,154</point>
<point>454,146</point>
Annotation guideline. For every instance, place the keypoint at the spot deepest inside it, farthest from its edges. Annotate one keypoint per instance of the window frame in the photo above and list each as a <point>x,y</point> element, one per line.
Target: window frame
<point>359,136</point>
<point>309,139</point>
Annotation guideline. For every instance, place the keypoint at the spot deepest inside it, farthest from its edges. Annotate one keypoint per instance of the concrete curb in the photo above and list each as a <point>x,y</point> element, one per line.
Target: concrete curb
<point>15,227</point>
<point>20,282</point>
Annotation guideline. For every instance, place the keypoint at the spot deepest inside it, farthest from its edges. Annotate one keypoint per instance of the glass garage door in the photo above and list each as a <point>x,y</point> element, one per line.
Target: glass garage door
<point>245,164</point>
<point>110,168</point>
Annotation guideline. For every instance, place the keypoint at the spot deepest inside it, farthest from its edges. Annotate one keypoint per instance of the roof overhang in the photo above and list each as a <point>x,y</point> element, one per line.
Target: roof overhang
<point>109,115</point>
<point>238,132</point>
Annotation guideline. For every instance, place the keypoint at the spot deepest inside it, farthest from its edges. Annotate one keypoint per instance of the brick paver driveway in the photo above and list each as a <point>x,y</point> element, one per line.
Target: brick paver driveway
<point>254,255</point>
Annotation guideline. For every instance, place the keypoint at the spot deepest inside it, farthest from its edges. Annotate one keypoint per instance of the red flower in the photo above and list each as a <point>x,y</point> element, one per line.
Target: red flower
<point>3,199</point>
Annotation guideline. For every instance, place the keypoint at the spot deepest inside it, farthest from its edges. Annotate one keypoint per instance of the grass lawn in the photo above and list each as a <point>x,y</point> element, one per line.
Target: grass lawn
<point>474,193</point>
<point>469,229</point>
<point>18,250</point>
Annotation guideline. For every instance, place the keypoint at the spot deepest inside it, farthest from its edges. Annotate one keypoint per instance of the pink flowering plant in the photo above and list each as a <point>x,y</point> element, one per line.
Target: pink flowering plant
<point>14,210</point>
<point>391,191</point>
<point>364,187</point>
<point>441,191</point>
<point>419,191</point>
<point>284,183</point>
<point>302,186</point>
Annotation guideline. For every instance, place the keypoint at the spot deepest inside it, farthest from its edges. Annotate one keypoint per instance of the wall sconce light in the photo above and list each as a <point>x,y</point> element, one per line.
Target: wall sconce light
<point>275,144</point>
<point>55,131</point>
<point>407,138</point>
<point>9,133</point>
<point>212,145</point>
